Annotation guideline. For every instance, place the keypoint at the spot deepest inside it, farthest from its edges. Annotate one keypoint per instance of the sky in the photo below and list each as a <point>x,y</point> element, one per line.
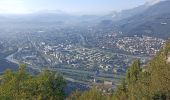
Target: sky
<point>69,6</point>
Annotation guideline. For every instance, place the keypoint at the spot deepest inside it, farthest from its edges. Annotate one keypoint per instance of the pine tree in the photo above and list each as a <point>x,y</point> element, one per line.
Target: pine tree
<point>132,78</point>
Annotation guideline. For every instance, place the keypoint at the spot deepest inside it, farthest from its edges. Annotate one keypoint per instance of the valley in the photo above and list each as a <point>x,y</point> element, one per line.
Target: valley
<point>84,58</point>
<point>87,50</point>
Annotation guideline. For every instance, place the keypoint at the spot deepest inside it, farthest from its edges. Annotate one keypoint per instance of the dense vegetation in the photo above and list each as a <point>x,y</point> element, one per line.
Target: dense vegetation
<point>23,86</point>
<point>149,82</point>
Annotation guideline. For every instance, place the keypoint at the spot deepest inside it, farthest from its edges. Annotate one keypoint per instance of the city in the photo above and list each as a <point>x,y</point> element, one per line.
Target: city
<point>79,57</point>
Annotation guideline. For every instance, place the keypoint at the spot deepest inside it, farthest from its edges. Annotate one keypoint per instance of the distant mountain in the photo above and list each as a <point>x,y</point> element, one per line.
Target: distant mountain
<point>117,16</point>
<point>153,2</point>
<point>50,12</point>
<point>153,21</point>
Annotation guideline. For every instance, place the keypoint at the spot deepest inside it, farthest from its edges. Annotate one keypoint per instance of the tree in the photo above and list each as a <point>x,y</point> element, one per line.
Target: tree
<point>132,78</point>
<point>21,85</point>
<point>92,94</point>
<point>51,85</point>
<point>121,92</point>
<point>159,69</point>
<point>75,95</point>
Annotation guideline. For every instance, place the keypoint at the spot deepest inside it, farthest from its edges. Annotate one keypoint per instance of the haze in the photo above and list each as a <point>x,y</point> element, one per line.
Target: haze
<point>70,6</point>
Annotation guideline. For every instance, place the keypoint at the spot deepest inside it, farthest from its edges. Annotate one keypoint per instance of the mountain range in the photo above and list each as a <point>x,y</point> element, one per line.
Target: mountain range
<point>151,19</point>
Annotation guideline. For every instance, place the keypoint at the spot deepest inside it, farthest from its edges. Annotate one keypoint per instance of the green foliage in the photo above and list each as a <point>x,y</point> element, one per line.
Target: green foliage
<point>133,73</point>
<point>92,94</point>
<point>132,79</point>
<point>22,86</point>
<point>121,92</point>
<point>75,95</point>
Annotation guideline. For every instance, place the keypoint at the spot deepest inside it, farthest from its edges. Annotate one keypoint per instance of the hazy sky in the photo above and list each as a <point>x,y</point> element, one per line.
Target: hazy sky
<point>78,6</point>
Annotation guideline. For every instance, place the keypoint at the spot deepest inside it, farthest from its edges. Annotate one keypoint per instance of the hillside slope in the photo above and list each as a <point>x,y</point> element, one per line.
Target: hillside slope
<point>154,21</point>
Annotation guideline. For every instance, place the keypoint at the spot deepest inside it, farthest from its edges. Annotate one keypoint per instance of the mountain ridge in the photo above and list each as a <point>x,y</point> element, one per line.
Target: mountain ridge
<point>148,22</point>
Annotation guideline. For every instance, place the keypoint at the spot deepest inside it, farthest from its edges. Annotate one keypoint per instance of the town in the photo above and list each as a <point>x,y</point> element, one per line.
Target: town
<point>84,55</point>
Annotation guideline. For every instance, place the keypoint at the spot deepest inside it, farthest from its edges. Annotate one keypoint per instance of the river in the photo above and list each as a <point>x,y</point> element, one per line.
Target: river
<point>9,63</point>
<point>5,64</point>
